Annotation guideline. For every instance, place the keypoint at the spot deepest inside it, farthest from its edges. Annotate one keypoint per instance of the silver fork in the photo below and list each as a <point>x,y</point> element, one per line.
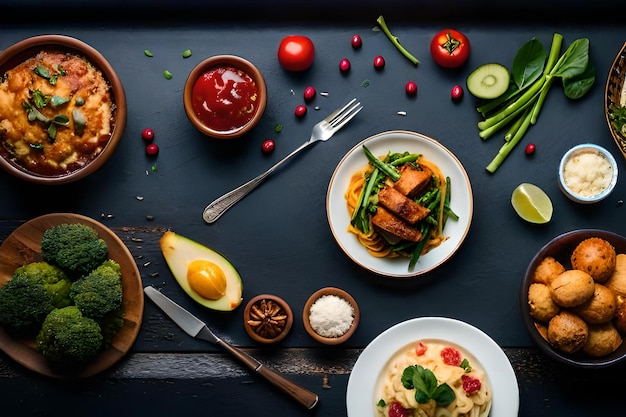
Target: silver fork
<point>323,131</point>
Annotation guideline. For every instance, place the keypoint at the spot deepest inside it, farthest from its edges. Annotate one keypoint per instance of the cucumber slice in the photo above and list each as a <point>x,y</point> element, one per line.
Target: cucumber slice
<point>489,81</point>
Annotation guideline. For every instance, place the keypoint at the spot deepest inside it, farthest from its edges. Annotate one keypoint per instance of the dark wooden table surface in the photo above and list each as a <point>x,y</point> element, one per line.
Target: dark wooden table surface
<point>278,237</point>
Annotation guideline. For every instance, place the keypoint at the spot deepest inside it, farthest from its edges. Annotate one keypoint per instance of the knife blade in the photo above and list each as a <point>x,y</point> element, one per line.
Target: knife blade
<point>196,328</point>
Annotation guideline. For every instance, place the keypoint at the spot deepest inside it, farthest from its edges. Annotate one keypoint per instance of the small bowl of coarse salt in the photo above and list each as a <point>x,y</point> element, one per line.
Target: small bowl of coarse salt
<point>331,316</point>
<point>587,173</point>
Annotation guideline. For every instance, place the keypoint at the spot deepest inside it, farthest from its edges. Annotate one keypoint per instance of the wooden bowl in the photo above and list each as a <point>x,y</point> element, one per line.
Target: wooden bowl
<point>306,313</point>
<point>250,316</point>
<point>28,48</point>
<point>257,100</point>
<point>561,248</point>
<point>614,91</point>
<point>23,246</point>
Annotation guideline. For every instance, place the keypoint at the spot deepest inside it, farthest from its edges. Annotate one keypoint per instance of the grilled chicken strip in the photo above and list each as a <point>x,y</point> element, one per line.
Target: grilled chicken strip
<point>401,205</point>
<point>412,181</point>
<point>392,224</point>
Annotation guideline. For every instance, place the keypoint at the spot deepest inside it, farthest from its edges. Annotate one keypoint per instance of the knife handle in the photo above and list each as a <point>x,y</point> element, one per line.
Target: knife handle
<point>300,394</point>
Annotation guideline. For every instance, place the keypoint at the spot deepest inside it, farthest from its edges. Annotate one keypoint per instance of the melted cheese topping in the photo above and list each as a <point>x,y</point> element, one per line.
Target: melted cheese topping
<point>28,142</point>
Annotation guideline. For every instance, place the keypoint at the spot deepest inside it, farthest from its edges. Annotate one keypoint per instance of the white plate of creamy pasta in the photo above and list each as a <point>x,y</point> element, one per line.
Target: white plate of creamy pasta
<point>375,367</point>
<point>461,202</point>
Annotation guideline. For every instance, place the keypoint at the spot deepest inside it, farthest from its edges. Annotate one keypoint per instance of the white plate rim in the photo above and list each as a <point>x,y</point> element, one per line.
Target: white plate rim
<point>364,375</point>
<point>400,141</point>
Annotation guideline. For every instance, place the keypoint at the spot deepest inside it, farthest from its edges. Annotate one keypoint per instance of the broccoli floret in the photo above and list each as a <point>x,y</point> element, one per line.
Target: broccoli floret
<point>99,292</point>
<point>110,324</point>
<point>24,304</point>
<point>54,279</point>
<point>68,336</point>
<point>75,247</point>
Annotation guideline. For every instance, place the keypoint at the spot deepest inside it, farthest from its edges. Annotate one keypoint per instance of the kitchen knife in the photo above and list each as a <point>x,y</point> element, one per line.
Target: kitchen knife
<point>195,327</point>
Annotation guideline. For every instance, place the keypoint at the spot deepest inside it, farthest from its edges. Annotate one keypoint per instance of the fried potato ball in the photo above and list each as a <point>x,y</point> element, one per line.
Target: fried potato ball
<point>595,256</point>
<point>543,330</point>
<point>547,270</point>
<point>542,306</point>
<point>572,288</point>
<point>602,339</point>
<point>600,308</point>
<point>567,332</point>
<point>617,280</point>
<point>619,321</point>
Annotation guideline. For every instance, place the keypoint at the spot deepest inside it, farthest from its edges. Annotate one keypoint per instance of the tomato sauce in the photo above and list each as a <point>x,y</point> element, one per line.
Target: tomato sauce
<point>225,99</point>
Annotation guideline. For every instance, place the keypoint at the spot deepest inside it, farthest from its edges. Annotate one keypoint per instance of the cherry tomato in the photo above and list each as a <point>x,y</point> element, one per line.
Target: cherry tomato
<point>396,410</point>
<point>356,42</point>
<point>344,65</point>
<point>530,149</point>
<point>470,384</point>
<point>450,48</point>
<point>147,134</point>
<point>451,356</point>
<point>457,92</point>
<point>296,53</point>
<point>420,349</point>
<point>309,93</point>
<point>379,62</point>
<point>411,88</point>
<point>152,149</point>
<point>300,110</point>
<point>268,146</point>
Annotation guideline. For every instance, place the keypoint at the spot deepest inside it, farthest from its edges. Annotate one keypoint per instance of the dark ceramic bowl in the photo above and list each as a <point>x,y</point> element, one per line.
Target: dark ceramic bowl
<point>561,248</point>
<point>254,98</point>
<point>23,50</point>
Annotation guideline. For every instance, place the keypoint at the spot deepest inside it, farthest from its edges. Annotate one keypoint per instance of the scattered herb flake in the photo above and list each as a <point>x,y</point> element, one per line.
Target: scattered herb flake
<point>278,128</point>
<point>167,75</point>
<point>186,53</point>
<point>365,83</point>
<point>148,53</point>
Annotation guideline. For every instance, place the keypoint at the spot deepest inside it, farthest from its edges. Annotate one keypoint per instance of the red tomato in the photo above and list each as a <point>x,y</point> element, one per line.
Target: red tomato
<point>420,349</point>
<point>470,384</point>
<point>296,53</point>
<point>451,356</point>
<point>450,48</point>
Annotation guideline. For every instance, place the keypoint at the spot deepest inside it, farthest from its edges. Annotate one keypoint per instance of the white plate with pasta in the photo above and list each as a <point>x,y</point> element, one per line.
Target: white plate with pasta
<point>374,368</point>
<point>461,202</point>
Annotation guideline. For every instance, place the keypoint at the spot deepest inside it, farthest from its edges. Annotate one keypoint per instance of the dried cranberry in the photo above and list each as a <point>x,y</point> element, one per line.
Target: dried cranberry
<point>356,42</point>
<point>451,356</point>
<point>300,110</point>
<point>470,384</point>
<point>457,92</point>
<point>268,146</point>
<point>530,149</point>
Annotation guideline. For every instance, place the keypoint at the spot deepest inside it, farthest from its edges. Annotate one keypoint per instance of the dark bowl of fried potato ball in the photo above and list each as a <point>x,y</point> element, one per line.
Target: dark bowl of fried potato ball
<point>573,298</point>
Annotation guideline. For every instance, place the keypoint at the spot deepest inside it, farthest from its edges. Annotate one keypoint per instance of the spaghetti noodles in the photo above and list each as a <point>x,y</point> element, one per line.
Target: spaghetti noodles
<point>470,399</point>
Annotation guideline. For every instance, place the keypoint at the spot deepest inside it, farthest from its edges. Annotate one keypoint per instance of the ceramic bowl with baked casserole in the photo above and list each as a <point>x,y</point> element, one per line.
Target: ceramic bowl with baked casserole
<point>587,173</point>
<point>62,109</point>
<point>225,96</point>
<point>573,298</point>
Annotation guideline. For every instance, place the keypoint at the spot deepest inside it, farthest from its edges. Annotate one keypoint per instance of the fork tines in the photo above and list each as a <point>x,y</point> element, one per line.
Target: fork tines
<point>341,116</point>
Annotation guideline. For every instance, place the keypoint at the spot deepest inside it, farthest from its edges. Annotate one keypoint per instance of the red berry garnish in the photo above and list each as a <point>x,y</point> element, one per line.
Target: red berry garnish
<point>530,149</point>
<point>396,410</point>
<point>411,88</point>
<point>356,42</point>
<point>300,110</point>
<point>457,92</point>
<point>451,356</point>
<point>309,93</point>
<point>152,149</point>
<point>344,65</point>
<point>147,134</point>
<point>268,146</point>
<point>379,62</point>
<point>470,384</point>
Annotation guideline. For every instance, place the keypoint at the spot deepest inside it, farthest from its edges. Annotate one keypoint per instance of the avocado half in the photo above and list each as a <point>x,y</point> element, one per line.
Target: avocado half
<point>180,251</point>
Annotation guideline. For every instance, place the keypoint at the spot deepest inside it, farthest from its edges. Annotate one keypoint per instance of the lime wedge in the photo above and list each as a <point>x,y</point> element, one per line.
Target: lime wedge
<point>532,203</point>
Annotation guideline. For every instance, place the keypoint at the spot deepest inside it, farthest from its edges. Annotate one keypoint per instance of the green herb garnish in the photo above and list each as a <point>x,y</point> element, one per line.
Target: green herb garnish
<point>148,53</point>
<point>167,75</point>
<point>424,382</point>
<point>40,99</point>
<point>278,128</point>
<point>186,53</point>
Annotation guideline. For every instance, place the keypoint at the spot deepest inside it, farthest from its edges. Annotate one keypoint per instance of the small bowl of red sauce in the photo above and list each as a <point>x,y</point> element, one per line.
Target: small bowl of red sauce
<point>225,96</point>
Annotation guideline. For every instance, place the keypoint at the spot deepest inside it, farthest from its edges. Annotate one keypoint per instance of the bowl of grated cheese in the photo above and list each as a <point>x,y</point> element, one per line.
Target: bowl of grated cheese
<point>331,316</point>
<point>587,173</point>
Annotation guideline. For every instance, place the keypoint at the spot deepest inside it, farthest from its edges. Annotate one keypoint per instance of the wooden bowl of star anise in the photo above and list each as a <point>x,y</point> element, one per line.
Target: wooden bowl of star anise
<point>267,318</point>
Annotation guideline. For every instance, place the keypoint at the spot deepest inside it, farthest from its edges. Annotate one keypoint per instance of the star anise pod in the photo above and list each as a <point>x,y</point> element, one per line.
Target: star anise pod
<point>267,318</point>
